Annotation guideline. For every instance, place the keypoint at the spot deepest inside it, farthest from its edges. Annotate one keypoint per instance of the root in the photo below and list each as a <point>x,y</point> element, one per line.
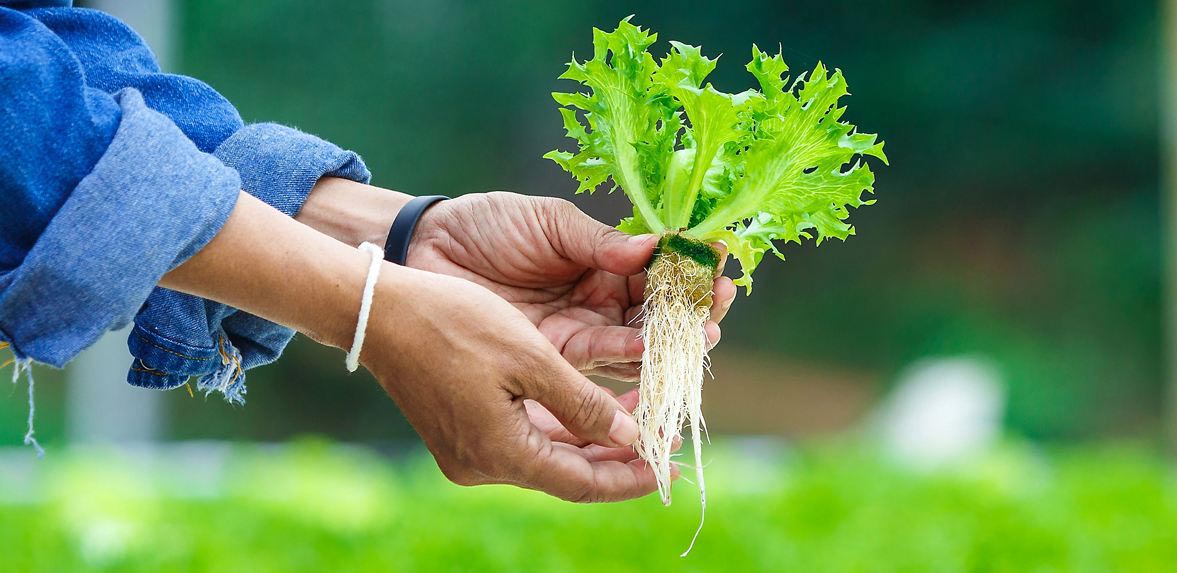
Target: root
<point>678,299</point>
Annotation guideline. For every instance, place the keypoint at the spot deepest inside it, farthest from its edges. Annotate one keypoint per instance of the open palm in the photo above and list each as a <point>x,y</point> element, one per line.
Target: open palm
<point>579,281</point>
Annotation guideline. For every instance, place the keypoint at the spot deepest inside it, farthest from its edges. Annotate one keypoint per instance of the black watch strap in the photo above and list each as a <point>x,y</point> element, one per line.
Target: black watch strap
<point>396,248</point>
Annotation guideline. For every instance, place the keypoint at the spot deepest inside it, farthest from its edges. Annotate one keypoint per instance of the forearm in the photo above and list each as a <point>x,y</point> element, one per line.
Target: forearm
<point>270,265</point>
<point>351,212</point>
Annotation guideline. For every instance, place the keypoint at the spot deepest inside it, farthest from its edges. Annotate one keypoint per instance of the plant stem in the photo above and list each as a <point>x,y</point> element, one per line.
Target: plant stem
<point>724,214</point>
<point>698,171</point>
<point>631,181</point>
<point>637,195</point>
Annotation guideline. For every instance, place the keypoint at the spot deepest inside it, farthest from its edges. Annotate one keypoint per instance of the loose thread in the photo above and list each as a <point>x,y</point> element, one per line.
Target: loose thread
<point>30,434</point>
<point>352,362</point>
<point>229,379</point>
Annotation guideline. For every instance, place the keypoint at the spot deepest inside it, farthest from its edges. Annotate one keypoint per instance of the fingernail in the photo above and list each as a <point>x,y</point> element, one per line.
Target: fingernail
<point>624,430</point>
<point>643,240</point>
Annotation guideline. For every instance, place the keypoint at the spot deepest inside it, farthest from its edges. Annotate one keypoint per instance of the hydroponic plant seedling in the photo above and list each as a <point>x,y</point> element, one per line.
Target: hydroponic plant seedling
<point>702,166</point>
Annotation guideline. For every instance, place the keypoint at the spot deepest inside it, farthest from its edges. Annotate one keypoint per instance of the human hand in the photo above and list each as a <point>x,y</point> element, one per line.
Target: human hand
<point>580,282</point>
<point>492,398</point>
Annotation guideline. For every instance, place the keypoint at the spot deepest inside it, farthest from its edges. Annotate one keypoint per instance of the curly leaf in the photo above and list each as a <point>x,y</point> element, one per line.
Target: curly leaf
<point>798,161</point>
<point>628,129</point>
<point>749,169</point>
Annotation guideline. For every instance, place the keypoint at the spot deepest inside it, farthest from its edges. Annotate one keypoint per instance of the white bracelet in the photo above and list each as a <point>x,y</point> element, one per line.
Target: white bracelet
<point>353,356</point>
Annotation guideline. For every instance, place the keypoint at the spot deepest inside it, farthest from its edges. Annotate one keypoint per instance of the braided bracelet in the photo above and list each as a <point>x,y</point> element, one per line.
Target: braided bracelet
<point>353,356</point>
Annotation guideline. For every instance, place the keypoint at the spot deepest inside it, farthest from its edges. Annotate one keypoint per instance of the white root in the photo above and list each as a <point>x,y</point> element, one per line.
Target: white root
<point>678,299</point>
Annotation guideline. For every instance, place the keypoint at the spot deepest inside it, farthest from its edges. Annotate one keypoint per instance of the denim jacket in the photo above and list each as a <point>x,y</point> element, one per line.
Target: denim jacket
<point>112,173</point>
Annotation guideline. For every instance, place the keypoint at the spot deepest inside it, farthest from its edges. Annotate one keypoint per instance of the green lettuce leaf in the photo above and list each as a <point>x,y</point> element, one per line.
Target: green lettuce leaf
<point>628,130</point>
<point>749,169</point>
<point>799,177</point>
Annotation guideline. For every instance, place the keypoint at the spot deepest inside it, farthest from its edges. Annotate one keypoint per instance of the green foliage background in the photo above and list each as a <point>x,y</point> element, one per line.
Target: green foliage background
<point>1018,221</point>
<point>314,507</point>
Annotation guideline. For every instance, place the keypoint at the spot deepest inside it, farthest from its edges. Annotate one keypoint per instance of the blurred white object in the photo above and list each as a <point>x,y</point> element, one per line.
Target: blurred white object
<point>154,21</point>
<point>942,411</point>
<point>101,406</point>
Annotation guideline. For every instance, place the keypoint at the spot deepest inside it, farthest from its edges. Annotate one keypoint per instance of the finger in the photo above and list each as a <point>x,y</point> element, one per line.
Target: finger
<point>564,472</point>
<point>542,419</point>
<point>561,435</point>
<point>589,242</point>
<point>627,372</point>
<point>633,316</point>
<point>599,345</point>
<point>724,293</point>
<point>581,406</point>
<point>545,422</point>
<point>629,400</point>
<point>713,334</point>
<point>637,288</point>
<point>595,453</point>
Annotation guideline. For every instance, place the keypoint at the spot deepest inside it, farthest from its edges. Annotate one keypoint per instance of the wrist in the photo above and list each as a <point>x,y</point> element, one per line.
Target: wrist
<point>351,212</point>
<point>400,305</point>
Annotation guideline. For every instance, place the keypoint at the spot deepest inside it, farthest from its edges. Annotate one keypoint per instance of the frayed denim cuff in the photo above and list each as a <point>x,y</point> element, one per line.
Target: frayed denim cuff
<point>178,336</point>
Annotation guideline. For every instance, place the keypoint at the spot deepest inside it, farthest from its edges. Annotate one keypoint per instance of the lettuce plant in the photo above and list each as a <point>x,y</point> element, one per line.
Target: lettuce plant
<point>769,165</point>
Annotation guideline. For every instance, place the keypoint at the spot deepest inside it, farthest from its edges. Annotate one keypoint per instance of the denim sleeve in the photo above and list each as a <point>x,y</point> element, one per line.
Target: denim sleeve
<point>103,195</point>
<point>114,58</point>
<point>177,336</point>
<point>277,164</point>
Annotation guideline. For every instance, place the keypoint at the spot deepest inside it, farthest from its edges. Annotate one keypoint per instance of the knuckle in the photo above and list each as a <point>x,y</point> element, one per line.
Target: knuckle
<point>563,211</point>
<point>582,492</point>
<point>587,406</point>
<point>558,205</point>
<point>529,372</point>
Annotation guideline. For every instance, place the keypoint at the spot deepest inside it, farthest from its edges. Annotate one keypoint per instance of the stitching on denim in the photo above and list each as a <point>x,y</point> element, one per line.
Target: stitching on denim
<point>144,339</point>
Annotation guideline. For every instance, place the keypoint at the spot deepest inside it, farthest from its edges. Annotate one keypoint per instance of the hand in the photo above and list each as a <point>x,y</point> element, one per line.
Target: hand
<point>547,423</point>
<point>464,365</point>
<point>580,282</point>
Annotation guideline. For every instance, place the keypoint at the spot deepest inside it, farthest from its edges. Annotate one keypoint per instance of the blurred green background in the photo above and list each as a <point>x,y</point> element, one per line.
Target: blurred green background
<point>1019,226</point>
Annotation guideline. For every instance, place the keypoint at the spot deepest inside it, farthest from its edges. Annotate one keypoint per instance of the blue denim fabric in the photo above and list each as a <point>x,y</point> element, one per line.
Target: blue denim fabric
<point>73,82</point>
<point>25,4</point>
<point>119,230</point>
<point>279,165</point>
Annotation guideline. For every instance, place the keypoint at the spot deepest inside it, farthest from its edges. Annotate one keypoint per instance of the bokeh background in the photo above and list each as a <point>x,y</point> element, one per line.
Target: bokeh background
<point>974,382</point>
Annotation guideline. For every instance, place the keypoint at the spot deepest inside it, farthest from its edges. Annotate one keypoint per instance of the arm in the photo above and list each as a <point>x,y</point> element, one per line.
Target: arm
<point>264,263</point>
<point>459,361</point>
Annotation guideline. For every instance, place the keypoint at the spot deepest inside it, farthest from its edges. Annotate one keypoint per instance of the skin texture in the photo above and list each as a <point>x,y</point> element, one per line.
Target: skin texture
<point>460,361</point>
<point>580,282</point>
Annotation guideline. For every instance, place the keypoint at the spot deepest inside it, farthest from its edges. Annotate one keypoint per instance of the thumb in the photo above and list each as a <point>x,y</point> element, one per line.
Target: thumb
<point>588,242</point>
<point>585,409</point>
